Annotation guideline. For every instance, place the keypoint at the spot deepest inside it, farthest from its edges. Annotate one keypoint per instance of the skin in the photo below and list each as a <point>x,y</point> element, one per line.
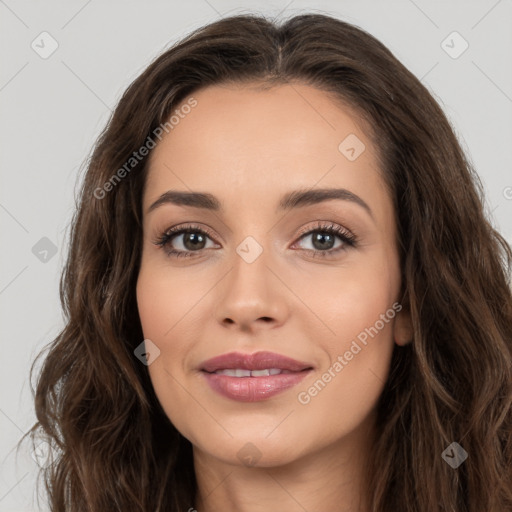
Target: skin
<point>248,147</point>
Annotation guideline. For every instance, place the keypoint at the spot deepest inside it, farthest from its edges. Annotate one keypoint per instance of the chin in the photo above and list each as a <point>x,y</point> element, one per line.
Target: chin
<point>252,449</point>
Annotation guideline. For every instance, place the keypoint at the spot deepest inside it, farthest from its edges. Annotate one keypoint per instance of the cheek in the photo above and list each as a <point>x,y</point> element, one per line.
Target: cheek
<point>350,300</point>
<point>170,320</point>
<point>358,310</point>
<point>163,306</point>
<point>165,298</point>
<point>162,303</point>
<point>155,303</point>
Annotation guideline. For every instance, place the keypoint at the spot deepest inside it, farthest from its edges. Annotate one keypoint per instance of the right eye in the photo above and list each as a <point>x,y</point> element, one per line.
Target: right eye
<point>191,236</point>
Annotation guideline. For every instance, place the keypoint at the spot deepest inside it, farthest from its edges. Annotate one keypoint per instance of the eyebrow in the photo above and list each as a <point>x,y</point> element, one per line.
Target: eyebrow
<point>291,200</point>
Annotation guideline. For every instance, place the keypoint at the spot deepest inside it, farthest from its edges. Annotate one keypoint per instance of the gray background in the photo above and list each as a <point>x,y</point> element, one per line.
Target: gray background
<point>53,109</point>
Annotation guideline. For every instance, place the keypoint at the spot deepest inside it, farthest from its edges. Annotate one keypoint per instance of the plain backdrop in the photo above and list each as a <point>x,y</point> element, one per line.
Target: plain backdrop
<point>54,105</point>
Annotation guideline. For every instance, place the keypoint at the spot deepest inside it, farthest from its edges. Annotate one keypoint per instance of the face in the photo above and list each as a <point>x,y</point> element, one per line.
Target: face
<point>315,280</point>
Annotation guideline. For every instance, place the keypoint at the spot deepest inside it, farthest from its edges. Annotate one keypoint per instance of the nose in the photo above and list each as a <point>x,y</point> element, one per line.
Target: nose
<point>252,296</point>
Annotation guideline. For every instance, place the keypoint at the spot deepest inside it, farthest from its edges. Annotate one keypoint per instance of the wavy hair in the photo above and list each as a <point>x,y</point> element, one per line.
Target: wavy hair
<point>111,446</point>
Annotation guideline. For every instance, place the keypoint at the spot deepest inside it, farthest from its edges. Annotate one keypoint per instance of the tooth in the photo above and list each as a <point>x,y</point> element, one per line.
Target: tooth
<point>260,373</point>
<point>229,373</point>
<point>238,372</point>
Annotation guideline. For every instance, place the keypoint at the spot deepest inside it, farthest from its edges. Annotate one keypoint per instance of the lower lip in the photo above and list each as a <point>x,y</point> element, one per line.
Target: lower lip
<point>253,389</point>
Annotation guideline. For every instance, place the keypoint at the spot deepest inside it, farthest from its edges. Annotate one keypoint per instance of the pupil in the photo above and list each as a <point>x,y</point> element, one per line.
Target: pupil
<point>194,238</point>
<point>321,239</point>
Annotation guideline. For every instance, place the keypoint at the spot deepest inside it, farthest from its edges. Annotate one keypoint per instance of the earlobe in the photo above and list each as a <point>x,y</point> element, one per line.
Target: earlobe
<point>402,330</point>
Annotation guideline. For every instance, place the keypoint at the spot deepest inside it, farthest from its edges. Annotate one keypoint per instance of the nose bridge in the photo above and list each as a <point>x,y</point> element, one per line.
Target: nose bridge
<point>251,261</point>
<point>251,290</point>
<point>251,232</point>
<point>255,248</point>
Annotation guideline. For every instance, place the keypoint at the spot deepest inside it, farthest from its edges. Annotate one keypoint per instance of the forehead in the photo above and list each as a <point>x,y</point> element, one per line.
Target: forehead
<point>241,143</point>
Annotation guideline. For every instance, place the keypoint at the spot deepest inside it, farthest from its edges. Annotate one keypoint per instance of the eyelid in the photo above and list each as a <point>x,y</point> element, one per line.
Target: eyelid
<point>181,229</point>
<point>325,225</point>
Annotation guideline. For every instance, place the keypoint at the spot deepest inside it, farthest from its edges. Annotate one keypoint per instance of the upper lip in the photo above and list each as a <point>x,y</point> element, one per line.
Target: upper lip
<point>256,361</point>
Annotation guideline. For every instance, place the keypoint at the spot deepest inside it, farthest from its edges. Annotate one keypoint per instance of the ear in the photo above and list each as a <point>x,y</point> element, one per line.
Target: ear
<point>402,329</point>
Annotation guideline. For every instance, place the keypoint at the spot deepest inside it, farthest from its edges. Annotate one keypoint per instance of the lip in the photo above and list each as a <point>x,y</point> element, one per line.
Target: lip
<point>253,389</point>
<point>256,361</point>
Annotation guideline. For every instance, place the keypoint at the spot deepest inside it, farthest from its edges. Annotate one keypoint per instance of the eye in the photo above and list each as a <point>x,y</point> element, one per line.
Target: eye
<point>193,239</point>
<point>323,239</point>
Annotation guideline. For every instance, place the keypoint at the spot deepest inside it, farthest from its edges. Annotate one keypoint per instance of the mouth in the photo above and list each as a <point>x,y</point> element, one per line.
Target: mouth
<point>253,377</point>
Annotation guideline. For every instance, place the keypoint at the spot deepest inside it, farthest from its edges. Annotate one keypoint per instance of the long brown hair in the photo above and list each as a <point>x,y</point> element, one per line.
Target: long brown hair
<point>113,448</point>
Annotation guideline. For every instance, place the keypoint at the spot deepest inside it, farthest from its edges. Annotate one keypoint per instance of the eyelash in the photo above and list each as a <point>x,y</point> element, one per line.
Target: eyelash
<point>348,239</point>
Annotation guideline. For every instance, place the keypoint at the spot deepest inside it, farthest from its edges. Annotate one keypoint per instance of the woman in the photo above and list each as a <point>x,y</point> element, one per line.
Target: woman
<point>281,292</point>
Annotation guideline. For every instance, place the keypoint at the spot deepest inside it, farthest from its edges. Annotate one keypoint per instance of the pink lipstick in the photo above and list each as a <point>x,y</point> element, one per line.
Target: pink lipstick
<point>253,377</point>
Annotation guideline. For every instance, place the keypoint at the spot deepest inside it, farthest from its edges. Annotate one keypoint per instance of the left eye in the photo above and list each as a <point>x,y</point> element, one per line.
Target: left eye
<point>193,239</point>
<point>324,236</point>
<point>321,240</point>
